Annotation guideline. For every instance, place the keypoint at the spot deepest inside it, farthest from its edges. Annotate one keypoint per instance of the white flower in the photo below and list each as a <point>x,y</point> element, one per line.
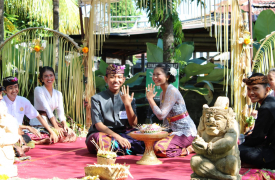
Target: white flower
<point>173,71</point>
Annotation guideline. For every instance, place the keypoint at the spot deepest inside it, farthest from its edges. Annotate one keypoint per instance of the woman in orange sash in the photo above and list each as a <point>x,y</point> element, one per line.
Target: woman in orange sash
<point>173,112</point>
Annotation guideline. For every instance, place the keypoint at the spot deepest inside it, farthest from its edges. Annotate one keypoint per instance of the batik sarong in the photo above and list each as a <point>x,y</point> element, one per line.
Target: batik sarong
<point>173,146</point>
<point>106,141</point>
<point>46,135</point>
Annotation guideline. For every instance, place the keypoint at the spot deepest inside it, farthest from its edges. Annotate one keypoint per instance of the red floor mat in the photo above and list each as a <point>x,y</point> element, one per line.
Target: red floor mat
<point>67,160</point>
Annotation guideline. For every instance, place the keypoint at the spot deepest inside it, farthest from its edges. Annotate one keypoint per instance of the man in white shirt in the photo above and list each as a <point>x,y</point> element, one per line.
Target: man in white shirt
<point>19,106</point>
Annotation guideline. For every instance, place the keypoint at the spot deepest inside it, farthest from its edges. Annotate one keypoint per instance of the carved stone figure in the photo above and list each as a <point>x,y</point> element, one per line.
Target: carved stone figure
<point>8,137</point>
<point>217,154</point>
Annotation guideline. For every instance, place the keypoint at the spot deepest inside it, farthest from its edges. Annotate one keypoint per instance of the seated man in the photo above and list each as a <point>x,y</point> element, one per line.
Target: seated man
<point>113,112</point>
<point>259,147</point>
<point>19,106</point>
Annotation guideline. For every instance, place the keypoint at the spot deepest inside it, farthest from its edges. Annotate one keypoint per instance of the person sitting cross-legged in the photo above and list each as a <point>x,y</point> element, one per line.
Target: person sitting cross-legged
<point>258,148</point>
<point>113,114</point>
<point>18,107</point>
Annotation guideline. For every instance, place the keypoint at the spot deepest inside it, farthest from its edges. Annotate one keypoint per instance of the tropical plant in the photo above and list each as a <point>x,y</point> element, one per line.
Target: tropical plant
<point>37,13</point>
<point>123,9</point>
<point>189,69</point>
<point>264,43</point>
<point>164,16</point>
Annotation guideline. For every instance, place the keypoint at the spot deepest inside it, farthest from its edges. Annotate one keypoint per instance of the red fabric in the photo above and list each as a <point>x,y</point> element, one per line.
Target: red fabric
<point>67,160</point>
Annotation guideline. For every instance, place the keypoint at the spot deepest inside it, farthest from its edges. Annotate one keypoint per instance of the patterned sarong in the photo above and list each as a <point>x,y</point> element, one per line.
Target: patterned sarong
<point>46,135</point>
<point>173,146</point>
<point>106,141</point>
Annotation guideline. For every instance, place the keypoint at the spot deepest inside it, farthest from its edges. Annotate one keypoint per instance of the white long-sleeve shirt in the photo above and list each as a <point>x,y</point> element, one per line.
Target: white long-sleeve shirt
<point>20,107</point>
<point>43,101</point>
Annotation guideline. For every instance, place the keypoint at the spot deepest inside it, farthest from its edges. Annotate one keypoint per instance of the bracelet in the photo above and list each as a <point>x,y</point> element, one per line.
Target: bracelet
<point>209,148</point>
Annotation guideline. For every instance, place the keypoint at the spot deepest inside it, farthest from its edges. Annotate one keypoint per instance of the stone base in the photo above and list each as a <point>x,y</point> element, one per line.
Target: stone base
<point>194,176</point>
<point>10,171</point>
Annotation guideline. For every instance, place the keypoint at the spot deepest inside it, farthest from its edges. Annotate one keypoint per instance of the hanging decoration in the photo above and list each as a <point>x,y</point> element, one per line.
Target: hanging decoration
<point>30,48</point>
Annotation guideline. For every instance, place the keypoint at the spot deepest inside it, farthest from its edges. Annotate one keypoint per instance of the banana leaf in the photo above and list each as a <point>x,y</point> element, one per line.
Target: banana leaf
<point>102,68</point>
<point>186,51</point>
<point>100,83</point>
<point>214,75</point>
<point>139,95</point>
<point>127,70</point>
<point>209,84</point>
<point>160,43</point>
<point>193,69</point>
<point>154,53</point>
<point>265,24</point>
<point>201,91</point>
<point>134,78</point>
<point>136,83</point>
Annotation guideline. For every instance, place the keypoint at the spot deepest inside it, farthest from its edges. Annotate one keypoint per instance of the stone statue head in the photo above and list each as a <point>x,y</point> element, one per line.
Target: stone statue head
<point>217,120</point>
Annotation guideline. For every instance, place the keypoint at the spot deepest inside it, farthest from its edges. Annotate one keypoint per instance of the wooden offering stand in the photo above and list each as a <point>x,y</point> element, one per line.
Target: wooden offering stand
<point>149,157</point>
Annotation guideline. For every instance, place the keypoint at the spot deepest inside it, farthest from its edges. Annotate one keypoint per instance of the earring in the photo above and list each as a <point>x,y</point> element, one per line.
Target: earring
<point>167,79</point>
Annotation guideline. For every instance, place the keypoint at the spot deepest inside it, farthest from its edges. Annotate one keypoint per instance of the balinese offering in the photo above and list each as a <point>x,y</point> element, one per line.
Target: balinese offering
<point>217,155</point>
<point>150,128</point>
<point>108,172</point>
<point>91,178</point>
<point>8,137</point>
<point>107,157</point>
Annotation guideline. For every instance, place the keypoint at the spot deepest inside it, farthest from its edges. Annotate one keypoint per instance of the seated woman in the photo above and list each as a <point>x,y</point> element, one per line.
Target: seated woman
<point>258,148</point>
<point>19,106</point>
<point>173,112</point>
<point>46,100</point>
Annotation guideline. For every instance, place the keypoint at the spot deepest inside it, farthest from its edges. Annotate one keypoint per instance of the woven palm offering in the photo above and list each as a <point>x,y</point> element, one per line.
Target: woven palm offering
<point>107,157</point>
<point>108,172</point>
<point>150,128</point>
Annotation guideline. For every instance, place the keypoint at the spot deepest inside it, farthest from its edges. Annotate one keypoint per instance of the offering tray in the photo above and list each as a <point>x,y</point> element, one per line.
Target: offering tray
<point>149,157</point>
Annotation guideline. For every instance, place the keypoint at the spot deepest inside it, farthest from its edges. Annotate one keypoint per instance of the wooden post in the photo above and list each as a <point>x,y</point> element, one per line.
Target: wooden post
<point>250,28</point>
<point>143,62</point>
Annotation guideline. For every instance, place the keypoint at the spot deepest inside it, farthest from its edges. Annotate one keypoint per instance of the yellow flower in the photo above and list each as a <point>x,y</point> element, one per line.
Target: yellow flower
<point>247,41</point>
<point>85,49</point>
<point>4,177</point>
<point>37,48</point>
<point>226,107</point>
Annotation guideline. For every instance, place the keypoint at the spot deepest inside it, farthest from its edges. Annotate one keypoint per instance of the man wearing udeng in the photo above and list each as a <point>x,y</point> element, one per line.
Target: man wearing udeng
<point>113,112</point>
<point>259,147</point>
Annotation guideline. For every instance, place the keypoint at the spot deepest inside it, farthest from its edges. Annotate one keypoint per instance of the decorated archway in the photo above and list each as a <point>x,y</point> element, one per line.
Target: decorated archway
<point>24,52</point>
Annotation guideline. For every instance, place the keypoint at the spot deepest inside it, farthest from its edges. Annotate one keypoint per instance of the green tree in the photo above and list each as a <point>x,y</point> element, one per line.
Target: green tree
<point>163,15</point>
<point>124,8</point>
<point>37,13</point>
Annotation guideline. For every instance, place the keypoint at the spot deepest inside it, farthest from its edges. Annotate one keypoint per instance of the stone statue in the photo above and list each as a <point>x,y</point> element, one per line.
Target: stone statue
<point>217,154</point>
<point>8,136</point>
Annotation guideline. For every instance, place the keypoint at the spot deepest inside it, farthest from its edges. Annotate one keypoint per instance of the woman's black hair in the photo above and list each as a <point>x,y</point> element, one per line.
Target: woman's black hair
<point>2,88</point>
<point>41,72</point>
<point>166,69</point>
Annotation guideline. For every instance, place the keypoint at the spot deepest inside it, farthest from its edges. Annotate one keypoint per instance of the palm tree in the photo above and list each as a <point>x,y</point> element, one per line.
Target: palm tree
<point>41,11</point>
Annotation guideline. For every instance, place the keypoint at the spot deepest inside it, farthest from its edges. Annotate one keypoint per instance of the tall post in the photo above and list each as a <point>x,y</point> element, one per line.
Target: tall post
<point>1,21</point>
<point>143,62</point>
<point>1,29</point>
<point>56,15</point>
<point>250,27</point>
<point>56,27</point>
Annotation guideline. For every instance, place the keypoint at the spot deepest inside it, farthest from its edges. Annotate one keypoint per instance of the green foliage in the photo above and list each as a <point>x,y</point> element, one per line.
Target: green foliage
<point>158,15</point>
<point>154,53</point>
<point>189,68</point>
<point>265,24</point>
<point>123,8</point>
<point>250,121</point>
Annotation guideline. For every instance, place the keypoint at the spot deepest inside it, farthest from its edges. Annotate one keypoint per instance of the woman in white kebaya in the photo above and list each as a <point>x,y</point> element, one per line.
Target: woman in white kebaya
<point>46,100</point>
